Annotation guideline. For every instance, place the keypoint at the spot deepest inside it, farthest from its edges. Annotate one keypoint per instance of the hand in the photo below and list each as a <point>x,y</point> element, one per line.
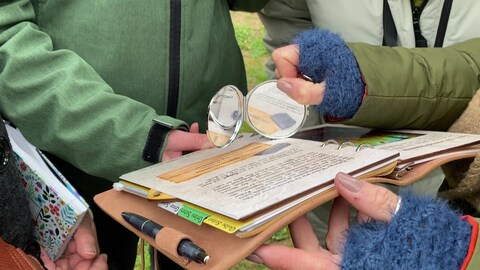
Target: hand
<point>179,141</point>
<point>81,252</point>
<point>303,91</point>
<point>371,201</point>
<point>308,253</point>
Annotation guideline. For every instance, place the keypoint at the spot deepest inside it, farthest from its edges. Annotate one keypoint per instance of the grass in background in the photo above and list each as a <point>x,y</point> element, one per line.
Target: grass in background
<point>249,32</point>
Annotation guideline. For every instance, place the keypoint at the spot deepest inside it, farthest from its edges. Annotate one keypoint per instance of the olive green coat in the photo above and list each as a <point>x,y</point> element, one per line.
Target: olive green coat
<point>416,88</point>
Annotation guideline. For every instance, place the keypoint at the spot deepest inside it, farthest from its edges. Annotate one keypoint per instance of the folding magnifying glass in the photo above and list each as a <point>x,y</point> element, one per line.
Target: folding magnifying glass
<point>266,109</point>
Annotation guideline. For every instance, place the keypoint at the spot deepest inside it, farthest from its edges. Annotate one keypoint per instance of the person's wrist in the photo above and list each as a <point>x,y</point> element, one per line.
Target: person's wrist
<point>324,56</point>
<point>157,137</point>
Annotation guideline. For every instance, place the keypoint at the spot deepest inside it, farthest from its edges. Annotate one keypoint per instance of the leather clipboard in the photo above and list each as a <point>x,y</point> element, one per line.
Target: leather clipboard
<point>226,250</point>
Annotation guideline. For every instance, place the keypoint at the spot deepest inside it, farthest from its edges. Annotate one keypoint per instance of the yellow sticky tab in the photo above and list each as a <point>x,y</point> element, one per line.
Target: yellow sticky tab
<point>155,195</point>
<point>219,221</point>
<point>224,223</point>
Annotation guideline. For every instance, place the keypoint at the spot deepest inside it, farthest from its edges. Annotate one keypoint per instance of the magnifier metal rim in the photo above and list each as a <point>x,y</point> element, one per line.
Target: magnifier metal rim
<point>240,105</point>
<point>236,125</point>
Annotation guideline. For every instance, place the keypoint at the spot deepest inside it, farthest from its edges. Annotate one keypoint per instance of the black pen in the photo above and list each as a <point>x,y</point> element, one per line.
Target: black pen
<point>185,248</point>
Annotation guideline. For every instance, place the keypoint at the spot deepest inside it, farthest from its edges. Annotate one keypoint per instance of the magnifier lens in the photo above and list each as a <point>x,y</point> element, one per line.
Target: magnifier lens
<point>225,116</point>
<point>272,113</point>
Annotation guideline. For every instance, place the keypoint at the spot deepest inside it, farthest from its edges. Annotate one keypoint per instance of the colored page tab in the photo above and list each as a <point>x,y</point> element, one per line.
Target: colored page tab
<point>192,214</point>
<point>158,196</point>
<point>172,207</point>
<point>223,223</point>
<point>196,214</point>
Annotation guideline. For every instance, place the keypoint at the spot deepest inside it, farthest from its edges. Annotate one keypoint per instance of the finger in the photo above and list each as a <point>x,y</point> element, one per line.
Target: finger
<point>285,258</point>
<point>302,234</point>
<point>86,239</point>
<point>338,224</point>
<point>62,265</point>
<point>286,61</point>
<point>194,128</point>
<point>187,141</point>
<point>47,262</point>
<point>362,217</point>
<point>375,201</point>
<point>168,155</point>
<point>100,263</point>
<point>71,248</point>
<point>277,74</point>
<point>302,91</point>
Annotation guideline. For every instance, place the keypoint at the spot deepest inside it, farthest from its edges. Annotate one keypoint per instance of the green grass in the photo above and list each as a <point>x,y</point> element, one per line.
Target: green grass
<point>249,33</point>
<point>138,262</point>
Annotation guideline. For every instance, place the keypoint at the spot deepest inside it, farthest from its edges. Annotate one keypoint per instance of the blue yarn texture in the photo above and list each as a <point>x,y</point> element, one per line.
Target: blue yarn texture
<point>424,234</point>
<point>325,56</point>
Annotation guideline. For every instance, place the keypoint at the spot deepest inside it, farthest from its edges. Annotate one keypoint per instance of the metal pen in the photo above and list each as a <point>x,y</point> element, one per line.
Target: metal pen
<point>185,248</point>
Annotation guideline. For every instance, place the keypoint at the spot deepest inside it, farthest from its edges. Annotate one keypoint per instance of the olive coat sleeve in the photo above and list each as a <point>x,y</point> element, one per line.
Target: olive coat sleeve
<point>421,88</point>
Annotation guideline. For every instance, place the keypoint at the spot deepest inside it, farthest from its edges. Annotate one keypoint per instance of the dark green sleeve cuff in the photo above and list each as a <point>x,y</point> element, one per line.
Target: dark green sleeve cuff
<point>157,136</point>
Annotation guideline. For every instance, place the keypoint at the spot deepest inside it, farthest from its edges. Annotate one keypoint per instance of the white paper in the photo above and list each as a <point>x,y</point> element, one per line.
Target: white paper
<point>252,183</point>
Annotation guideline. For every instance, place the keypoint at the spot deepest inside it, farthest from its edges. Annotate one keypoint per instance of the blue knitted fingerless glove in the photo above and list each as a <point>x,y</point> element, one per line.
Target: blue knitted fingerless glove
<point>424,234</point>
<point>325,56</point>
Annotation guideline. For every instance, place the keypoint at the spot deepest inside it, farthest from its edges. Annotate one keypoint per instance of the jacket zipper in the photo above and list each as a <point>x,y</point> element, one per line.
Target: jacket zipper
<point>174,57</point>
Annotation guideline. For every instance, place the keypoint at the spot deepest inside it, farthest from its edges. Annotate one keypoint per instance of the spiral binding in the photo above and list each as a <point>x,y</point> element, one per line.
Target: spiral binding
<point>364,145</point>
<point>327,142</point>
<point>346,144</point>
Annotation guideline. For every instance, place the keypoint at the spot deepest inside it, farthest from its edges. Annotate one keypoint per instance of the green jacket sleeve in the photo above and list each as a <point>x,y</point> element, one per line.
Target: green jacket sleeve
<point>421,88</point>
<point>62,105</point>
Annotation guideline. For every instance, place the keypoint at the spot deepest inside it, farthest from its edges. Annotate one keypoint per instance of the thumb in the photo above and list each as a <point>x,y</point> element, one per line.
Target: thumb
<point>302,91</point>
<point>100,263</point>
<point>285,258</point>
<point>375,201</point>
<point>187,141</point>
<point>194,128</point>
<point>86,239</point>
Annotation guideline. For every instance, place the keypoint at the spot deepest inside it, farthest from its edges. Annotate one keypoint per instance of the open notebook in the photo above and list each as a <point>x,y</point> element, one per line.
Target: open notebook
<point>255,175</point>
<point>224,247</point>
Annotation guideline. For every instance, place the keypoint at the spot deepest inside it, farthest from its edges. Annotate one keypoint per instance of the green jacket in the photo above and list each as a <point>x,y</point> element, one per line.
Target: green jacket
<point>416,88</point>
<point>84,79</point>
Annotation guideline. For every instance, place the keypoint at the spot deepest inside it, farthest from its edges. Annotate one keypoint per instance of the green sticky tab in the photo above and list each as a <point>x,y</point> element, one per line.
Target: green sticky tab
<point>192,214</point>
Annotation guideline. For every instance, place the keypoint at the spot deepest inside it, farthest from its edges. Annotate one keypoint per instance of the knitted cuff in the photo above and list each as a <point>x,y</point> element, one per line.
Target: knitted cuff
<point>325,56</point>
<point>424,234</point>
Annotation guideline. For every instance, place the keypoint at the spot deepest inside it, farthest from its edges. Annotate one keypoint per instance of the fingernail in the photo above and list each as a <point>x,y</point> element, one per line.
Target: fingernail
<point>91,250</point>
<point>349,182</point>
<point>284,86</point>
<point>254,258</point>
